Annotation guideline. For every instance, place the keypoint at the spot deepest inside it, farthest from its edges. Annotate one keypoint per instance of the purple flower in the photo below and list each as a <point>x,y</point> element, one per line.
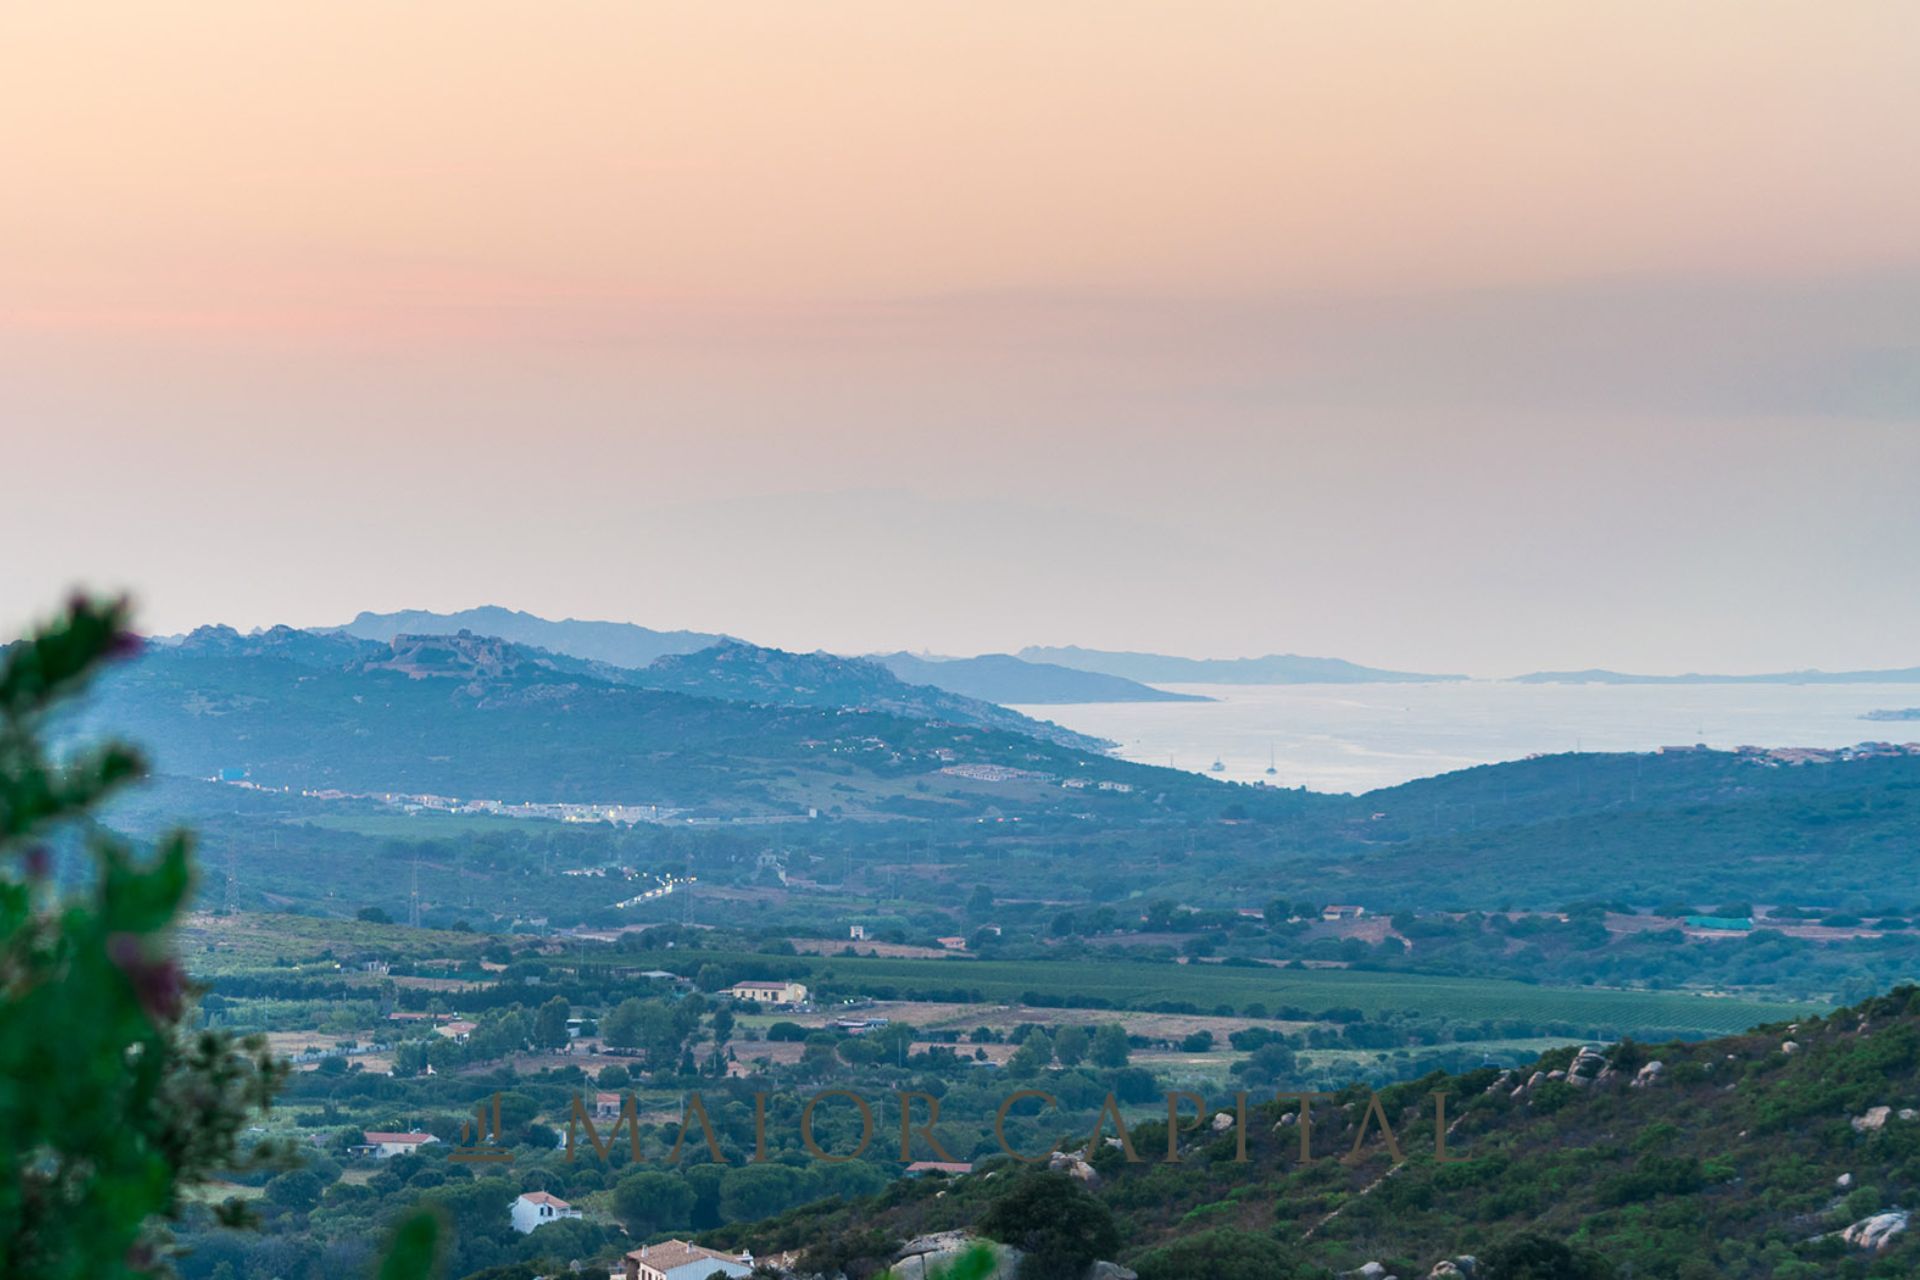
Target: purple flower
<point>159,985</point>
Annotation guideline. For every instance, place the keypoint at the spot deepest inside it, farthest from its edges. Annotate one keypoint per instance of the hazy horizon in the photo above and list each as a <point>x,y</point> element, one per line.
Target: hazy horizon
<point>1488,339</point>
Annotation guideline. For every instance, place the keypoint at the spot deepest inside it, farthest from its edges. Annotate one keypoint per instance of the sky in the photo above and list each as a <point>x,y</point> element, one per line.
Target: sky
<point>1477,337</point>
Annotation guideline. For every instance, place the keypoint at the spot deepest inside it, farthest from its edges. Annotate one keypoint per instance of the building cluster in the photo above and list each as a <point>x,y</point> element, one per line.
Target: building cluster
<point>625,815</point>
<point>1778,757</point>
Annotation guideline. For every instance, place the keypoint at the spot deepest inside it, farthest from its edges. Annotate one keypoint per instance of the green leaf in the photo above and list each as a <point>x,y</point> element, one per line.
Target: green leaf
<point>412,1255</point>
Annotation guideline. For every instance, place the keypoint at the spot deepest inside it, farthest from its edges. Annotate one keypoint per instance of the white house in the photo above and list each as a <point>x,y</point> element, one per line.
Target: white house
<point>678,1260</point>
<point>769,992</point>
<point>388,1145</point>
<point>537,1209</point>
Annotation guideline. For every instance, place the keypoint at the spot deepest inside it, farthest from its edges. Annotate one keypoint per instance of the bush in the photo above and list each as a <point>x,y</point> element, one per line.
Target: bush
<point>1057,1225</point>
<point>1532,1256</point>
<point>1224,1253</point>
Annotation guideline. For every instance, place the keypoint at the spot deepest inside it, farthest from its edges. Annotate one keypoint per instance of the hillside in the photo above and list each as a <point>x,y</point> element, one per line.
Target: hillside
<point>1275,668</point>
<point>1003,678</point>
<point>739,672</point>
<point>1788,1151</point>
<point>1694,825</point>
<point>472,716</point>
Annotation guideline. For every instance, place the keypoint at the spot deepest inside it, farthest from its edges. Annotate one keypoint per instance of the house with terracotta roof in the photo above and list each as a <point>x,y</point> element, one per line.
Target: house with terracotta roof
<point>537,1209</point>
<point>680,1260</point>
<point>382,1145</point>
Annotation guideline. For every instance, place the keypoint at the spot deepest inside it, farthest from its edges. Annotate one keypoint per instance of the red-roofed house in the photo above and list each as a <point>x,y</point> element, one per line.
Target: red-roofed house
<point>387,1145</point>
<point>679,1260</point>
<point>537,1208</point>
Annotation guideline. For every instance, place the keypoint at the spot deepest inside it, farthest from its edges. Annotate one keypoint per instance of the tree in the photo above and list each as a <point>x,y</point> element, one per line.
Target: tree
<point>893,1042</point>
<point>1034,1055</point>
<point>761,1190</point>
<point>649,1202</point>
<point>817,1058</point>
<point>297,1189</point>
<point>622,1028</point>
<point>114,1109</point>
<point>1110,1048</point>
<point>1060,1228</point>
<point>410,1058</point>
<point>373,915</point>
<point>1071,1045</point>
<point>550,1024</point>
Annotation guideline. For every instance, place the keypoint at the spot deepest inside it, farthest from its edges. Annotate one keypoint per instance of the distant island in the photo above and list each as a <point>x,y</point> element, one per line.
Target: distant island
<point>1895,713</point>
<point>1275,668</point>
<point>1898,675</point>
<point>1003,678</point>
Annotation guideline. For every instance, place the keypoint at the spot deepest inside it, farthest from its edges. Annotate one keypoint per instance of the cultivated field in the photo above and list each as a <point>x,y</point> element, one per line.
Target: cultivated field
<point>1229,990</point>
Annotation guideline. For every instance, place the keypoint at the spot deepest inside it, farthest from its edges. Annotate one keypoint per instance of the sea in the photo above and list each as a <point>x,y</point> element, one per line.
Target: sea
<point>1359,737</point>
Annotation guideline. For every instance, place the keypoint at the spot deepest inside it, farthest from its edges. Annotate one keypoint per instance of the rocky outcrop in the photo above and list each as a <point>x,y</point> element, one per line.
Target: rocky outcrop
<point>1074,1164</point>
<point>926,1257</point>
<point>1874,1120</point>
<point>1588,1067</point>
<point>1876,1233</point>
<point>1463,1267</point>
<point>1648,1076</point>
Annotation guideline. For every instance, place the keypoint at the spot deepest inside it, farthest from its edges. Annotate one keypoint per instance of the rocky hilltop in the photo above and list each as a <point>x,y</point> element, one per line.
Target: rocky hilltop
<point>1790,1151</point>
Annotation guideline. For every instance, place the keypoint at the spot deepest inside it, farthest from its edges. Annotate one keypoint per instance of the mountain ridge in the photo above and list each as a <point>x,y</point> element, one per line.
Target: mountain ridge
<point>470,715</point>
<point>621,644</point>
<point>1274,668</point>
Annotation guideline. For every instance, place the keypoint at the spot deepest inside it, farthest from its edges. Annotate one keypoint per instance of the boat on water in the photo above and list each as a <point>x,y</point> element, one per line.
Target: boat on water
<point>1270,769</point>
<point>1218,766</point>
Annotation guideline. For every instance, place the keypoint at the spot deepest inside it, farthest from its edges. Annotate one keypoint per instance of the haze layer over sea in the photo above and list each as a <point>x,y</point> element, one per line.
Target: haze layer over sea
<point>1356,737</point>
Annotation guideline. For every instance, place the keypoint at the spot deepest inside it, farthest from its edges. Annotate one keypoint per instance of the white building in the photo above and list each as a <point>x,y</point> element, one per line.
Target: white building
<point>679,1260</point>
<point>769,992</point>
<point>388,1145</point>
<point>537,1209</point>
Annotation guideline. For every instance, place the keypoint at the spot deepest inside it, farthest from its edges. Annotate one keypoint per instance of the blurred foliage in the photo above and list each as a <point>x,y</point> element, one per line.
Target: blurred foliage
<point>110,1108</point>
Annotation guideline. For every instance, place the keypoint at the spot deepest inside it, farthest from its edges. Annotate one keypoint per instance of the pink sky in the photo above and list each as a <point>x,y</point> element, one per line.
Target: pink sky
<point>1476,336</point>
